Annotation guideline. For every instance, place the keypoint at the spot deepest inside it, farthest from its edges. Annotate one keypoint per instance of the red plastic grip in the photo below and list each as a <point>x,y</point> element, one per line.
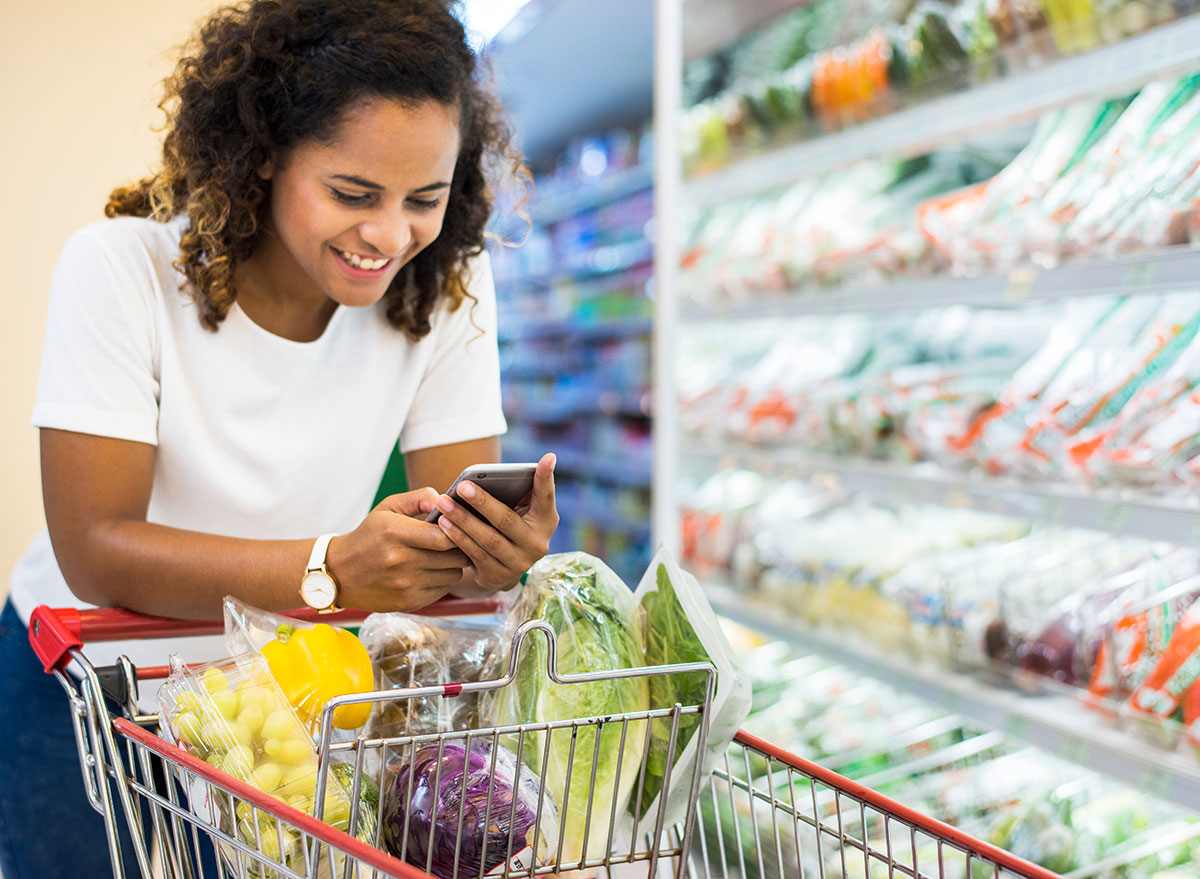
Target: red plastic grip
<point>53,634</point>
<point>54,631</point>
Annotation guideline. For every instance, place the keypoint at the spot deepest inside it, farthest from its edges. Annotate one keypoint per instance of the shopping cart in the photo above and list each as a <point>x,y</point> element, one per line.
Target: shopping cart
<point>762,814</point>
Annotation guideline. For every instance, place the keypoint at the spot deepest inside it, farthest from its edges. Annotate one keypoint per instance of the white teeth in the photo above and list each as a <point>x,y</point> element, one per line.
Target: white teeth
<point>371,265</point>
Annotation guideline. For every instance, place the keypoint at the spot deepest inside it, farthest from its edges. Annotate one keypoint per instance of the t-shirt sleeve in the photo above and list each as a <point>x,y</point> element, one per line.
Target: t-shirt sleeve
<point>98,372</point>
<point>459,395</point>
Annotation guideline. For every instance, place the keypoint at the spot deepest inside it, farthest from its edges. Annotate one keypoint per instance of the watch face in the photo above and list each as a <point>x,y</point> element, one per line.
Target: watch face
<point>318,590</point>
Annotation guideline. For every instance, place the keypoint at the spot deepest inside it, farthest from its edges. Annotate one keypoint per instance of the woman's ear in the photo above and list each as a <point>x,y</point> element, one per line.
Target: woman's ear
<point>267,169</point>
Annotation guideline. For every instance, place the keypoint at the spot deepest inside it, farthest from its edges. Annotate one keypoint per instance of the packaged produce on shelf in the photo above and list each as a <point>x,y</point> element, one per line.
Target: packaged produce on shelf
<point>1094,179</point>
<point>233,715</point>
<point>859,224</point>
<point>418,651</point>
<point>814,77</point>
<point>1109,622</point>
<point>1096,391</point>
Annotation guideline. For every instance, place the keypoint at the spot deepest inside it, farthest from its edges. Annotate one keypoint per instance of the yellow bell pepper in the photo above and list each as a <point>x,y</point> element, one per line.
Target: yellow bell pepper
<point>312,665</point>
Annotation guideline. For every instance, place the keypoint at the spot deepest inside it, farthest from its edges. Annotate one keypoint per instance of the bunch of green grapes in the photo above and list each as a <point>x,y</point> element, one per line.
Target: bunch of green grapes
<point>247,730</point>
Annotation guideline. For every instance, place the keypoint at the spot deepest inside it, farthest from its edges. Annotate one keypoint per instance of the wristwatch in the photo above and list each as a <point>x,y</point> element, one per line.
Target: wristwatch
<point>318,588</point>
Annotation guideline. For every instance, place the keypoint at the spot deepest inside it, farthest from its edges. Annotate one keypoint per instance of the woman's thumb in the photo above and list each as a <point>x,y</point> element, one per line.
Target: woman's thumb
<point>419,503</point>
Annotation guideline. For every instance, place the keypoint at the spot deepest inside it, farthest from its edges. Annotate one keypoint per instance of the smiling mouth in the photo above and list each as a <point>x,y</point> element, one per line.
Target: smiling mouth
<point>362,263</point>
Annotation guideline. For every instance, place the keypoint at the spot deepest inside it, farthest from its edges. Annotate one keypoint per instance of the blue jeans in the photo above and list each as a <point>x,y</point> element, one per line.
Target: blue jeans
<point>47,826</point>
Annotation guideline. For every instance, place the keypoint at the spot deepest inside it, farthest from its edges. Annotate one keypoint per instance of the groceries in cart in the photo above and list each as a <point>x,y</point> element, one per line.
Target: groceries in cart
<point>464,770</point>
<point>408,650</point>
<point>235,716</point>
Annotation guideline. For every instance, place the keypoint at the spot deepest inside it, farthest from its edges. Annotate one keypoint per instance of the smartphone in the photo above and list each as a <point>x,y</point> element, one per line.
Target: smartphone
<point>507,483</point>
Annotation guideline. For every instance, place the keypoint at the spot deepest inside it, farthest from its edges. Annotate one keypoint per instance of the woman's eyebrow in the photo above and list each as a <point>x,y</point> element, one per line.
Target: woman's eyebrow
<point>357,181</point>
<point>367,184</point>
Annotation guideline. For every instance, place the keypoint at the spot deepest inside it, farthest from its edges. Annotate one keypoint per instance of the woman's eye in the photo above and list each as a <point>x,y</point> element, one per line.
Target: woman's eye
<point>422,204</point>
<point>347,198</point>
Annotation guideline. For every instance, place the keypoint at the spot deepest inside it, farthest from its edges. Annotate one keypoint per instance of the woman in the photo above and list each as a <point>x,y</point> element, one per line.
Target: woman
<point>232,356</point>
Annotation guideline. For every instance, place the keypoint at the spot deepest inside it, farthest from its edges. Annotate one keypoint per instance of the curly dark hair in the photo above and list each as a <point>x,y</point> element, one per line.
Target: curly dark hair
<point>261,77</point>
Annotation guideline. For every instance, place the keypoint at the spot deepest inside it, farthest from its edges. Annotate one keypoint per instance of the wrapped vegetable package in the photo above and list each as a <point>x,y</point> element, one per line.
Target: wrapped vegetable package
<point>463,808</point>
<point>312,663</point>
<point>679,626</point>
<point>234,716</point>
<point>411,651</point>
<point>590,770</point>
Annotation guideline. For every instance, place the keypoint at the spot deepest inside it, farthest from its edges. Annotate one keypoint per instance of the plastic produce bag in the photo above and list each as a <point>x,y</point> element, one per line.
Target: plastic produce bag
<point>591,771</point>
<point>311,662</point>
<point>234,716</point>
<point>463,808</point>
<point>679,626</point>
<point>411,651</point>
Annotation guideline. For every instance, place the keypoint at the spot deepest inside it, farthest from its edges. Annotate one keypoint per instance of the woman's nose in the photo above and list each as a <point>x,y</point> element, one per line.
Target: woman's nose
<point>390,236</point>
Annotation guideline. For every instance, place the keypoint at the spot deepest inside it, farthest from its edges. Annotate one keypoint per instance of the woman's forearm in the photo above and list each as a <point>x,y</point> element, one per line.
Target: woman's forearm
<point>169,572</point>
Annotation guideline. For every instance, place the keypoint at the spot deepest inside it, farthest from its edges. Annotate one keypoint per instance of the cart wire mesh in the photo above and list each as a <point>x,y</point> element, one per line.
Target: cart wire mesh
<point>761,814</point>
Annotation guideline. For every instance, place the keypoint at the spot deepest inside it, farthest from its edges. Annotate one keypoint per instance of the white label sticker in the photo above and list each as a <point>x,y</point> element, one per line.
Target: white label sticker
<point>521,862</point>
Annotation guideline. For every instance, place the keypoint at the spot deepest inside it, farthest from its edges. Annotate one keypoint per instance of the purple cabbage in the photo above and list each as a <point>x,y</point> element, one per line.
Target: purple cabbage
<point>433,814</point>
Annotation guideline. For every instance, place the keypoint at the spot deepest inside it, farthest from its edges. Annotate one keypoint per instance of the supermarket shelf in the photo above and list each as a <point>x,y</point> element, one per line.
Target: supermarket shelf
<point>605,521</point>
<point>553,205</point>
<point>615,327</point>
<point>631,472</point>
<point>611,404</point>
<point>1151,272</point>
<point>1117,511</point>
<point>1107,71</point>
<point>609,261</point>
<point>1058,724</point>
<point>715,24</point>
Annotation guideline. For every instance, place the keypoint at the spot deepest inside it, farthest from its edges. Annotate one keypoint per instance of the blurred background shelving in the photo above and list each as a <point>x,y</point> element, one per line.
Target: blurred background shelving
<point>883,221</point>
<point>935,297</point>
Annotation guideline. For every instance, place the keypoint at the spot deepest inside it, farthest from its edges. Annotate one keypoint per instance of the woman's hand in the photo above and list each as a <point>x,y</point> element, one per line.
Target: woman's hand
<point>395,560</point>
<point>500,552</point>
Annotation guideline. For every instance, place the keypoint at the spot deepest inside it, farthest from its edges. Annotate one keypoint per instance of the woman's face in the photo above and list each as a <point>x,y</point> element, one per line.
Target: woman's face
<point>349,213</point>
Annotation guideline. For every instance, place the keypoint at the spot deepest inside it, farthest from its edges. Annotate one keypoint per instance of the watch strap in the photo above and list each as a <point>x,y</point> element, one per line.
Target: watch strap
<point>316,561</point>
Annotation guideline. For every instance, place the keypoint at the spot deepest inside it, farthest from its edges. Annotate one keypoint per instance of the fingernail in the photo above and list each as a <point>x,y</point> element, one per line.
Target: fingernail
<point>445,504</point>
<point>445,523</point>
<point>466,489</point>
<point>553,460</point>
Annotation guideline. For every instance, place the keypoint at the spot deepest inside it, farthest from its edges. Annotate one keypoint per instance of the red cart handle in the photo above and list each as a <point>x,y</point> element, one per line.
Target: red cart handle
<point>54,632</point>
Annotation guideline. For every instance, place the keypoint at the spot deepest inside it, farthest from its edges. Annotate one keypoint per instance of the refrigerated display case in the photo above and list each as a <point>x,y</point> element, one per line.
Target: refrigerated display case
<point>925,394</point>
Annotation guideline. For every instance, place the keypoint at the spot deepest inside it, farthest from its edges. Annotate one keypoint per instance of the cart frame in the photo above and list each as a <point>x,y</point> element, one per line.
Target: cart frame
<point>835,827</point>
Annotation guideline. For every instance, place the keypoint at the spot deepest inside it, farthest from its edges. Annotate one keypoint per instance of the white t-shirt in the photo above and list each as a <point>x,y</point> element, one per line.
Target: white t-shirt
<point>257,436</point>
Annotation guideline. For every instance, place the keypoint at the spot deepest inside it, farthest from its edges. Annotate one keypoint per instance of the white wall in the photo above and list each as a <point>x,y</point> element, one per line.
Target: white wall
<point>78,103</point>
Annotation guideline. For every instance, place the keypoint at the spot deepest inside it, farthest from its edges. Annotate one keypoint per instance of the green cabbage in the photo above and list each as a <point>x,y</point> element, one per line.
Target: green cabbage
<point>594,615</point>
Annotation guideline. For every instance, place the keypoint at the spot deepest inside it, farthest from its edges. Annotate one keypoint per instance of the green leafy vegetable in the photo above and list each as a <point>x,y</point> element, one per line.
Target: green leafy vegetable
<point>669,639</point>
<point>593,614</point>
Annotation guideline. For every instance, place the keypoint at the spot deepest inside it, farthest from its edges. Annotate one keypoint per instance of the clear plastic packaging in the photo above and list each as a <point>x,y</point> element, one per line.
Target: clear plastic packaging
<point>465,807</point>
<point>678,626</point>
<point>416,651</point>
<point>233,716</point>
<point>593,770</point>
<point>311,662</point>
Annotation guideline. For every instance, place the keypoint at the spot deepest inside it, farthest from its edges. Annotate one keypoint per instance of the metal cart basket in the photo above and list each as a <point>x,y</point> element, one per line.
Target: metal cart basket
<point>762,814</point>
